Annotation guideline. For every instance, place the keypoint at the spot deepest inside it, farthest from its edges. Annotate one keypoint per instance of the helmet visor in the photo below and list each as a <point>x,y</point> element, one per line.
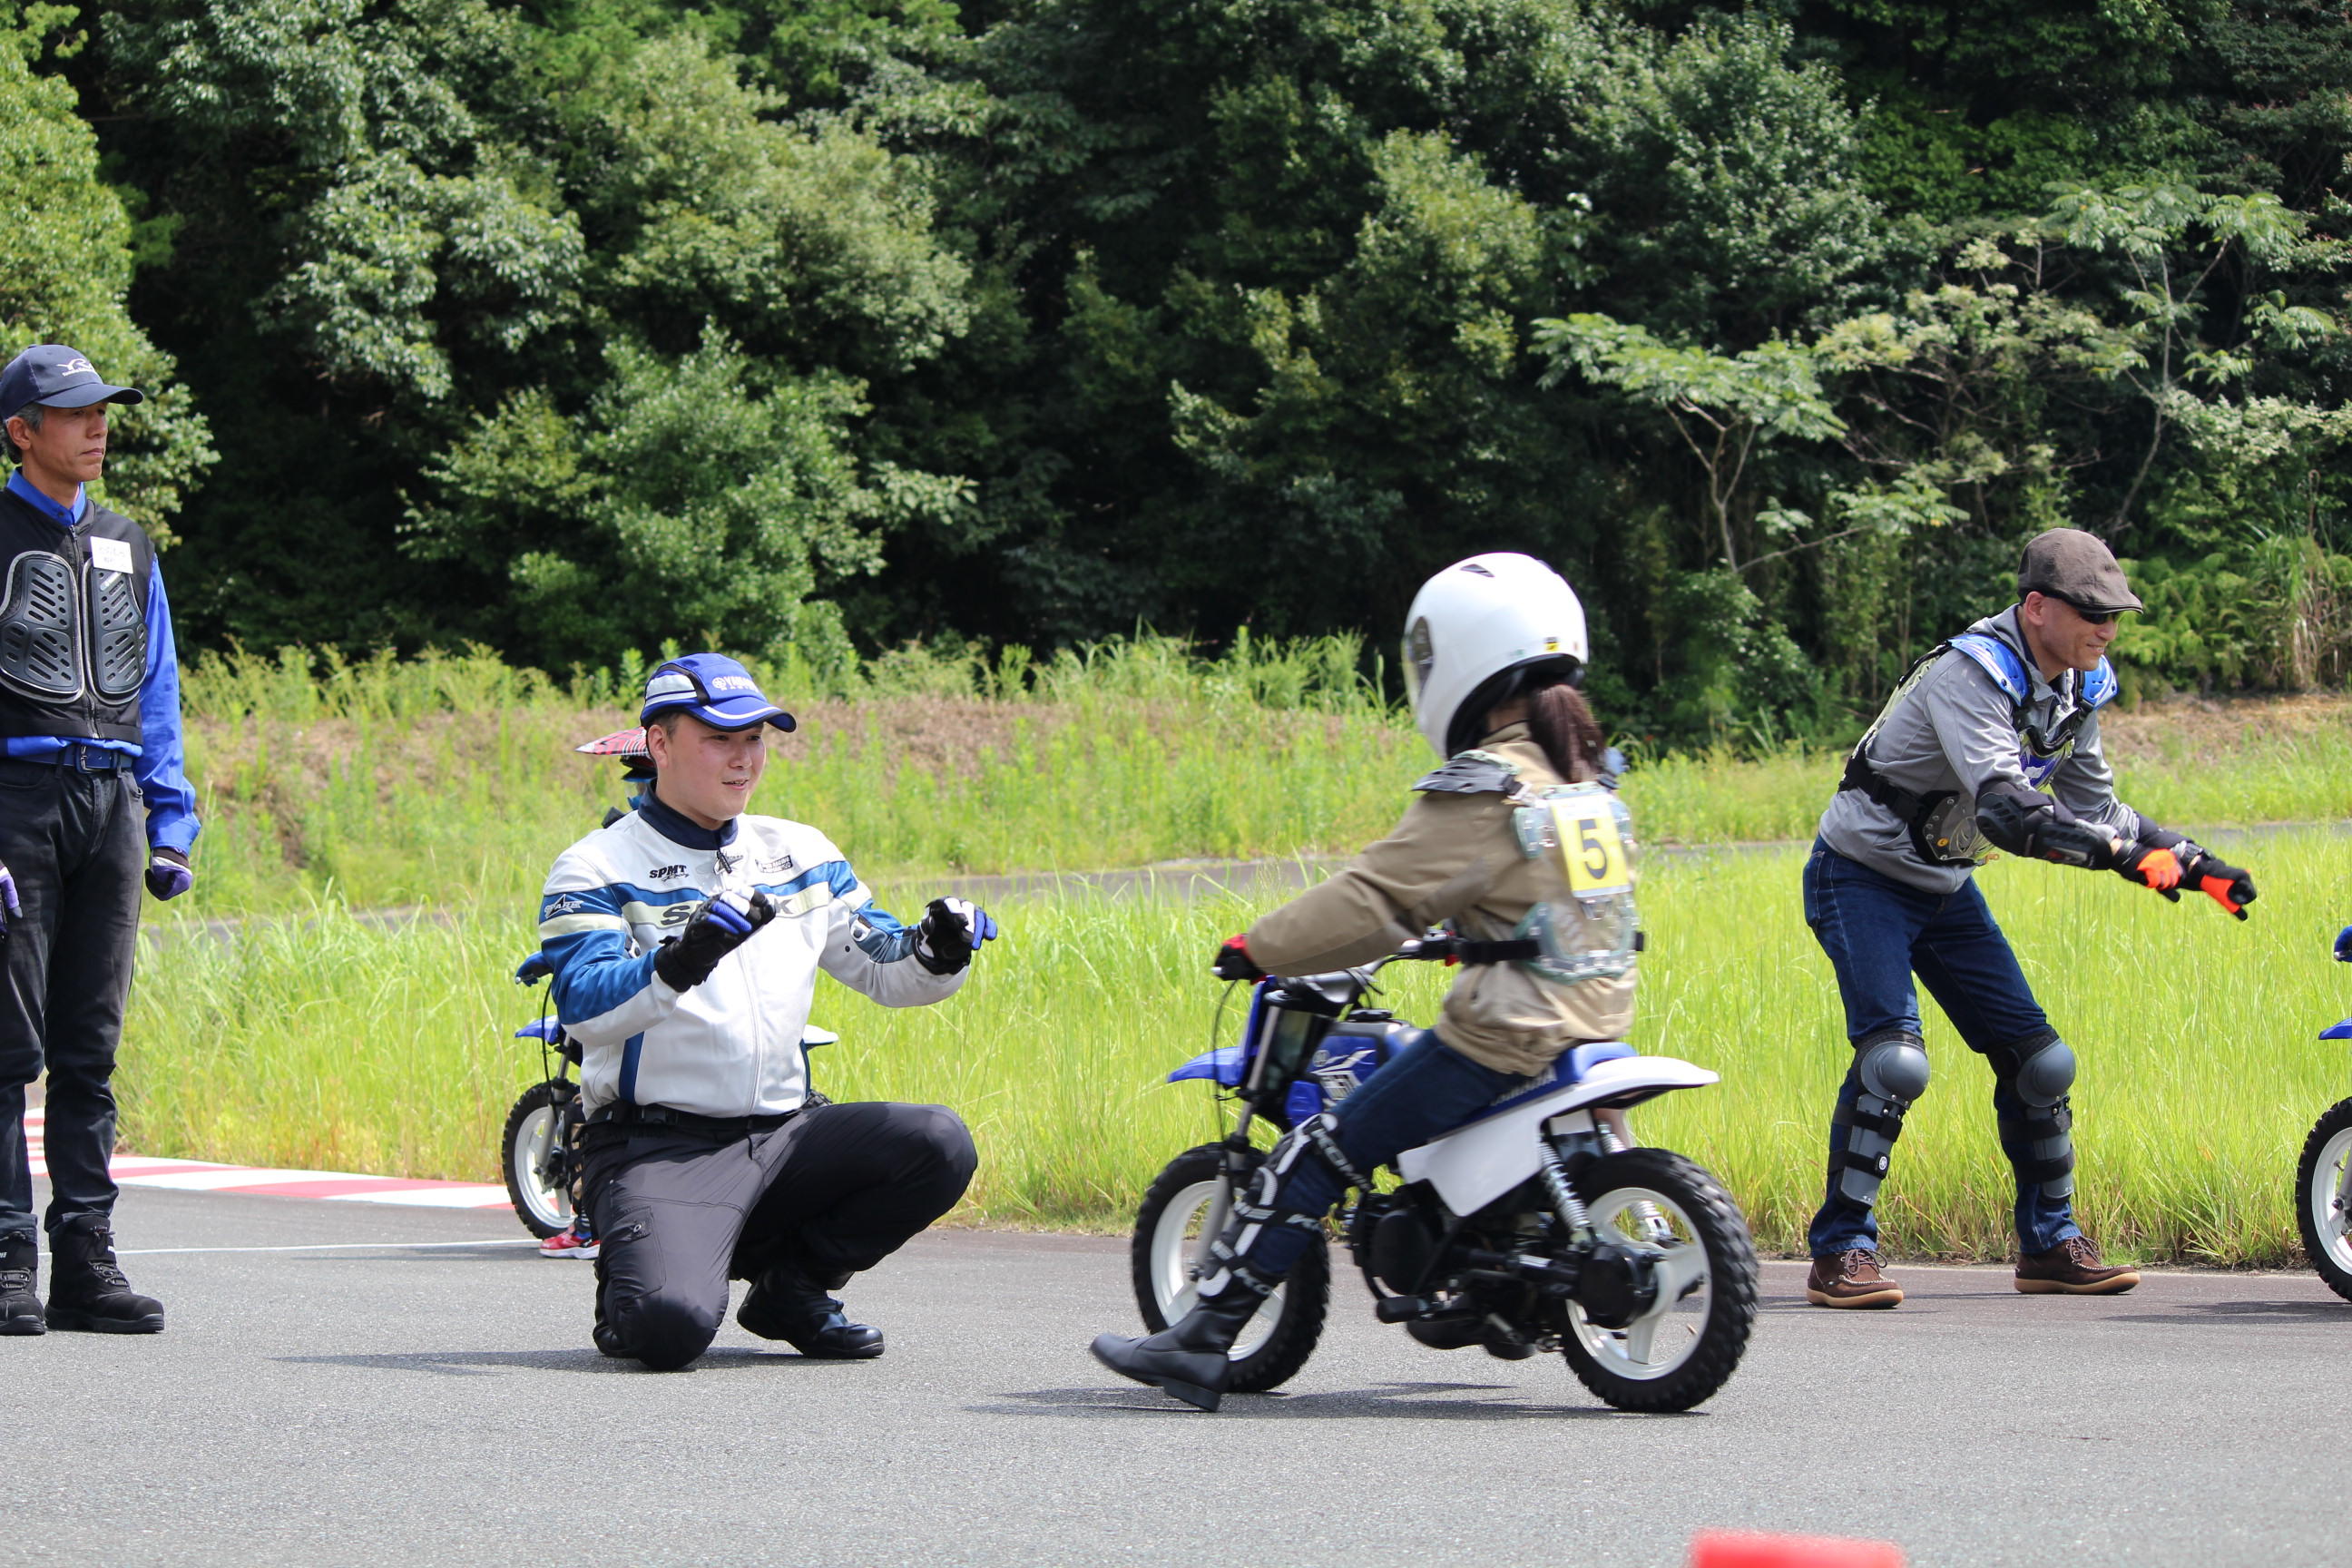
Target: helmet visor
<point>1419,655</point>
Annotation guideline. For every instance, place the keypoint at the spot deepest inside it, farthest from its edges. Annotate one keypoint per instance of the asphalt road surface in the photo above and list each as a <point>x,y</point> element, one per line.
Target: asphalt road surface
<point>346,1384</point>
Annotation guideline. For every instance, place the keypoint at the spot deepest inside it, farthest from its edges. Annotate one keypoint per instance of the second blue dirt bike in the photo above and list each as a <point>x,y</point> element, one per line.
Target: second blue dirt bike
<point>2322,1177</point>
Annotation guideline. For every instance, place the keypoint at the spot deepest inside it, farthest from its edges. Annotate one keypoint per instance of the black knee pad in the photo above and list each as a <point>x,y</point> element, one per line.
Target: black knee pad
<point>2039,1070</point>
<point>1891,1065</point>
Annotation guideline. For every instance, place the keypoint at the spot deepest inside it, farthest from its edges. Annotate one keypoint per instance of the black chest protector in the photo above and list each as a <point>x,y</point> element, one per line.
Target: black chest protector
<point>73,623</point>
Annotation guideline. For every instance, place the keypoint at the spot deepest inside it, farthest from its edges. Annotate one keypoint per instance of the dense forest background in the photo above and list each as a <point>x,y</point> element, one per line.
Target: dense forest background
<point>569,326</point>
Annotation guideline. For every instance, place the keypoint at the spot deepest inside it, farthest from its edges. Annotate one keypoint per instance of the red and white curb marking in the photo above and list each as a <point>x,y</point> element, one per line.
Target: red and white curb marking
<point>202,1176</point>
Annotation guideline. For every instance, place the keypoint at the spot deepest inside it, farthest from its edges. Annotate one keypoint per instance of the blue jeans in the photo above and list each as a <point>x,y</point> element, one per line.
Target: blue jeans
<point>1878,933</point>
<point>1426,1089</point>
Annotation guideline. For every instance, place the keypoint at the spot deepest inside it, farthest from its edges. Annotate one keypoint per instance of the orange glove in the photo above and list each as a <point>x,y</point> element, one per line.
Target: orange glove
<point>2155,869</point>
<point>2226,885</point>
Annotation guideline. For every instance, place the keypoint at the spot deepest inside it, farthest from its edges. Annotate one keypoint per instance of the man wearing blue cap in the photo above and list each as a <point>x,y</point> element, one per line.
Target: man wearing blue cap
<point>685,940</point>
<point>89,729</point>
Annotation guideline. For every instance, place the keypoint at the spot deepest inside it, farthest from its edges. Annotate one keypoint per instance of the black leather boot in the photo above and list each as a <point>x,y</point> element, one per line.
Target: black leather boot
<point>20,1278</point>
<point>788,1303</point>
<point>1187,1359</point>
<point>86,1289</point>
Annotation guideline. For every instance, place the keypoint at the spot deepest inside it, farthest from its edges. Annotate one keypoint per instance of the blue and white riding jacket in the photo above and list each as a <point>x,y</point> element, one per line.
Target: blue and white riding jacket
<point>731,1046</point>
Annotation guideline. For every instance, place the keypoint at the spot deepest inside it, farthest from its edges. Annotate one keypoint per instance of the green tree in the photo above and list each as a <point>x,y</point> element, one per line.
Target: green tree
<point>65,261</point>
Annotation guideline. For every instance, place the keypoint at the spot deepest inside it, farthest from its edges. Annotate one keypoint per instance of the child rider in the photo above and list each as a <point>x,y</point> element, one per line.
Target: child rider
<point>1495,646</point>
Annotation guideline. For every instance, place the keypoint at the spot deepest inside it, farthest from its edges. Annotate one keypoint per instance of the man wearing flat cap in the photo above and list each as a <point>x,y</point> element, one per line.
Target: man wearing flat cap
<point>686,941</point>
<point>90,735</point>
<point>1991,741</point>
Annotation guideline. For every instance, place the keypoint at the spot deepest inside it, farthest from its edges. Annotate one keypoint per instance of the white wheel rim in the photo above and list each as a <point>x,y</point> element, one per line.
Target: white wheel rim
<point>1663,1338</point>
<point>1174,1241</point>
<point>2329,1221</point>
<point>532,1140</point>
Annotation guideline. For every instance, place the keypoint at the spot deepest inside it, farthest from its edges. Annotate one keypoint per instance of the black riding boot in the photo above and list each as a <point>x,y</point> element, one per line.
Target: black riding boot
<point>20,1275</point>
<point>789,1304</point>
<point>86,1289</point>
<point>1188,1358</point>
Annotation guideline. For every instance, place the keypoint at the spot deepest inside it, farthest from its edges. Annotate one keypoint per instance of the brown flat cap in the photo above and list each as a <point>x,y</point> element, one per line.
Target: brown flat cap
<point>2078,567</point>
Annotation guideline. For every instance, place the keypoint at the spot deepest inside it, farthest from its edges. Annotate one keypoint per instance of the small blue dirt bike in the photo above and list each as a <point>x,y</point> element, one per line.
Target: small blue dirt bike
<point>539,1147</point>
<point>2323,1178</point>
<point>1534,1227</point>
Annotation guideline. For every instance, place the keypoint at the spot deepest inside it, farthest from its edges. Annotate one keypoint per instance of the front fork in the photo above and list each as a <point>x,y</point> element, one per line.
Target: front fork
<point>1221,1202</point>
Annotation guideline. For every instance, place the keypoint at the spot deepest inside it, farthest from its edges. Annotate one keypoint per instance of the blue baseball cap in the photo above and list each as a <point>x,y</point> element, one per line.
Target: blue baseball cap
<point>57,378</point>
<point>715,689</point>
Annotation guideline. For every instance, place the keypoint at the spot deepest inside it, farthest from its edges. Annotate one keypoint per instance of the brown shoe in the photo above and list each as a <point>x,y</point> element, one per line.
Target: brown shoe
<point>2071,1269</point>
<point>1850,1278</point>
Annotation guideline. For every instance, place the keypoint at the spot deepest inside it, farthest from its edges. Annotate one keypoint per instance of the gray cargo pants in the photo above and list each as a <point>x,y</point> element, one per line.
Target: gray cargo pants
<point>681,1209</point>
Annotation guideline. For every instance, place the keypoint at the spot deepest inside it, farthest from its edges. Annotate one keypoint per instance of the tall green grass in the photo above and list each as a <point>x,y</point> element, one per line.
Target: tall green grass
<point>319,1039</point>
<point>451,780</point>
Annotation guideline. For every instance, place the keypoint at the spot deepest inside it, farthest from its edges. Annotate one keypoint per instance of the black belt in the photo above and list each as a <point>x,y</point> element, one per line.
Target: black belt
<point>83,758</point>
<point>624,1115</point>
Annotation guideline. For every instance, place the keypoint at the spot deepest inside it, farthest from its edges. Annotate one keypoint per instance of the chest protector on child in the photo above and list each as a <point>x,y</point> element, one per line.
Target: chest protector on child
<point>1585,929</point>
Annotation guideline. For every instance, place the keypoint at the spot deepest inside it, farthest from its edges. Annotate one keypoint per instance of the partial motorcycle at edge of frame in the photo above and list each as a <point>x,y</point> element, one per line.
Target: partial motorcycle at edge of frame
<point>2322,1177</point>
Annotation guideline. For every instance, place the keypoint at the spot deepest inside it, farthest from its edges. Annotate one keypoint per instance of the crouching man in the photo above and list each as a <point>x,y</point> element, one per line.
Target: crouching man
<point>685,940</point>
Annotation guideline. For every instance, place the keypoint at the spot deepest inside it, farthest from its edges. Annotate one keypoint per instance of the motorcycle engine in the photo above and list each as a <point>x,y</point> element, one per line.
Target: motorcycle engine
<point>1404,1245</point>
<point>1615,1285</point>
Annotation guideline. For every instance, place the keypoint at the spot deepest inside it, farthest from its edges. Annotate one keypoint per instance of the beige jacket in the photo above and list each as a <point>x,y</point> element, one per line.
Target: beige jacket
<point>1454,857</point>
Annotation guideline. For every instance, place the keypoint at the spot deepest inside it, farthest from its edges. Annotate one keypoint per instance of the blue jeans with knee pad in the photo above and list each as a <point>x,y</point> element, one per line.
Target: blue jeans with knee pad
<point>1428,1088</point>
<point>1879,933</point>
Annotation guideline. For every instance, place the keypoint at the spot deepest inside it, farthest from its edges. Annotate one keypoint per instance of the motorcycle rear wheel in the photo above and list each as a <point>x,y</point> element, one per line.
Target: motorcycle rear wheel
<point>1278,1340</point>
<point>2318,1177</point>
<point>532,1127</point>
<point>1683,1348</point>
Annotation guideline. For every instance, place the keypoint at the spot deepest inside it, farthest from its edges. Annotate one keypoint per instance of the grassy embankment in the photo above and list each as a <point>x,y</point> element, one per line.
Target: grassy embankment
<point>318,1040</point>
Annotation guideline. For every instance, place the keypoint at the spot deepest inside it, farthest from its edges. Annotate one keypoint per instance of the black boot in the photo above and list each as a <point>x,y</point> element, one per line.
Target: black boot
<point>86,1289</point>
<point>20,1275</point>
<point>788,1303</point>
<point>1188,1358</point>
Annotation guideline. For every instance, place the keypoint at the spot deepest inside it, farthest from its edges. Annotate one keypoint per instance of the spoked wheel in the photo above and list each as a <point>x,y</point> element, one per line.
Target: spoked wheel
<point>1682,1342</point>
<point>532,1149</point>
<point>2319,1198</point>
<point>1171,1232</point>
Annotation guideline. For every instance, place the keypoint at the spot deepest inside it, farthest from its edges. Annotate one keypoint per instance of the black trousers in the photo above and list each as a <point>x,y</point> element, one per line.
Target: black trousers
<point>679,1213</point>
<point>74,842</point>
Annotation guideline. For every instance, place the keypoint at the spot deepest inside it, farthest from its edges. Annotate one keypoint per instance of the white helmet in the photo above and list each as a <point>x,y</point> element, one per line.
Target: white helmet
<point>1475,623</point>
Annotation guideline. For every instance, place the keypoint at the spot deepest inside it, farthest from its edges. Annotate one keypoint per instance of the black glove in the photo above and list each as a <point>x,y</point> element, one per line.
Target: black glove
<point>952,932</point>
<point>718,929</point>
<point>2229,886</point>
<point>1234,963</point>
<point>169,874</point>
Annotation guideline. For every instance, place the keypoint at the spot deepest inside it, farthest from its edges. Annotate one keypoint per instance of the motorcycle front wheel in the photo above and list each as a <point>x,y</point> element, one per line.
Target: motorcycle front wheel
<point>1679,1348</point>
<point>2318,1185</point>
<point>1167,1240</point>
<point>528,1151</point>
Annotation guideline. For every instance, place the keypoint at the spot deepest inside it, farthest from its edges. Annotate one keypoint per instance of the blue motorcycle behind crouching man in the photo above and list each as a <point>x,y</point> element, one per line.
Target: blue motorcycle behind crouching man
<point>1534,1227</point>
<point>2322,1177</point>
<point>539,1150</point>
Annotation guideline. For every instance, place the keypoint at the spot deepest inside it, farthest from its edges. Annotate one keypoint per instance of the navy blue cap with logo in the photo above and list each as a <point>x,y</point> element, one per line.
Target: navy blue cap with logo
<point>715,689</point>
<point>57,377</point>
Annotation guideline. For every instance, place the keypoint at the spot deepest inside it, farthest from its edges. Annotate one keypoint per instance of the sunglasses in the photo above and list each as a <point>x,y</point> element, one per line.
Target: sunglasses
<point>2090,617</point>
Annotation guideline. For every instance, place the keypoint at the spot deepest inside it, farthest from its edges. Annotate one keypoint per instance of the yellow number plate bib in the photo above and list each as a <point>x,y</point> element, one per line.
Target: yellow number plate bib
<point>1592,850</point>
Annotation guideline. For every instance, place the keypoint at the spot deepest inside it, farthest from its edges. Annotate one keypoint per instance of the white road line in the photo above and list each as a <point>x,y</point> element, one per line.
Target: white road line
<point>321,1247</point>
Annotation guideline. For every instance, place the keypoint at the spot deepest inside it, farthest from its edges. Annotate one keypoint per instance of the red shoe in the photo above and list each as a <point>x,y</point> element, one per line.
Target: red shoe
<point>568,1244</point>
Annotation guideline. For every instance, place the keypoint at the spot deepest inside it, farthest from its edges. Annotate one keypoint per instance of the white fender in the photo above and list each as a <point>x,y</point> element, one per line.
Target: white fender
<point>1477,1162</point>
